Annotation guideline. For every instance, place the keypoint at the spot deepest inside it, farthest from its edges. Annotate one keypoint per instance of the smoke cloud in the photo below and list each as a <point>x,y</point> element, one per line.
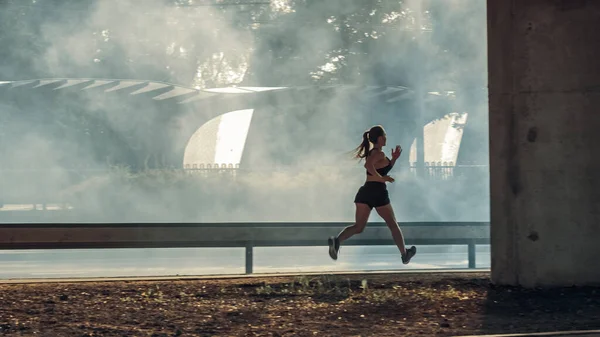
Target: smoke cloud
<point>119,156</point>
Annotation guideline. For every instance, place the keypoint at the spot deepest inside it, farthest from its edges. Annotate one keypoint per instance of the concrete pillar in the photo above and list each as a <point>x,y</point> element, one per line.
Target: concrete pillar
<point>544,92</point>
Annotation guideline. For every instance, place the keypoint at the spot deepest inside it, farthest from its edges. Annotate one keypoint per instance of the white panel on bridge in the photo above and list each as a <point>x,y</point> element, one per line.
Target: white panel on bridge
<point>201,95</point>
<point>71,83</point>
<point>177,91</point>
<point>432,96</point>
<point>21,83</point>
<point>401,96</point>
<point>230,90</point>
<point>329,86</point>
<point>46,82</point>
<point>98,83</point>
<point>124,84</point>
<point>259,89</point>
<point>150,87</point>
<point>348,88</point>
<point>387,90</point>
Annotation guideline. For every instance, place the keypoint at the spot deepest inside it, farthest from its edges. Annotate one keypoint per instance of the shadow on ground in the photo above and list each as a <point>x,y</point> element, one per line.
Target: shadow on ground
<point>514,309</point>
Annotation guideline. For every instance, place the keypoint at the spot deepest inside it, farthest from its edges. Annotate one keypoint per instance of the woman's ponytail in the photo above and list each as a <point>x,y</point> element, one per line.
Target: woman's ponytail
<point>362,151</point>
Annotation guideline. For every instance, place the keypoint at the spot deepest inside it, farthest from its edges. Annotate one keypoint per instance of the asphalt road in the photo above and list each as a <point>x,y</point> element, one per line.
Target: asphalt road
<point>223,261</point>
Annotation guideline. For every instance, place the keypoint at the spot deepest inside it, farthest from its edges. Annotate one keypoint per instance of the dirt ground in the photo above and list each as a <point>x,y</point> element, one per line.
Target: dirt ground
<point>327,305</point>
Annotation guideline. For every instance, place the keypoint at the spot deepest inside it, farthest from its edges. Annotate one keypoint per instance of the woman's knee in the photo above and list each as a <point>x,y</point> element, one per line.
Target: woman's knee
<point>359,228</point>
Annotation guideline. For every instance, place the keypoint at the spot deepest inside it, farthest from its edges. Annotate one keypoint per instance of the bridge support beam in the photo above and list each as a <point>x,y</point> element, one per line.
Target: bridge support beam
<point>544,96</point>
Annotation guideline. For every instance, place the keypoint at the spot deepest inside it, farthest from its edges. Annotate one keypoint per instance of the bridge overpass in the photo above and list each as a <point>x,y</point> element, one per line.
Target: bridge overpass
<point>151,123</point>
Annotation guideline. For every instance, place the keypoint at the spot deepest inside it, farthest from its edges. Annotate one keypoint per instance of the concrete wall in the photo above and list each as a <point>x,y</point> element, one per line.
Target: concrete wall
<point>544,91</point>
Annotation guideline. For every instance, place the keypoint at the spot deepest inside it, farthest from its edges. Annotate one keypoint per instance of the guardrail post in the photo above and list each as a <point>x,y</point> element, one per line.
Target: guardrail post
<point>472,255</point>
<point>249,257</point>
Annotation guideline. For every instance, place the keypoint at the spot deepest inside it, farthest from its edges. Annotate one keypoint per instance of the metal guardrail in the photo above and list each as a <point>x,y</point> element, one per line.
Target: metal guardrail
<point>247,235</point>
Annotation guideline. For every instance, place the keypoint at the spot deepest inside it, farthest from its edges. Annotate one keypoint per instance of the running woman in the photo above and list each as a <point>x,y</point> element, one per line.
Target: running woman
<point>374,194</point>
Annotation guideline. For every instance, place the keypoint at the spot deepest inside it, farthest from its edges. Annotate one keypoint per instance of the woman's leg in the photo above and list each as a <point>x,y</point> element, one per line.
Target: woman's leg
<point>360,221</point>
<point>387,213</point>
<point>361,217</point>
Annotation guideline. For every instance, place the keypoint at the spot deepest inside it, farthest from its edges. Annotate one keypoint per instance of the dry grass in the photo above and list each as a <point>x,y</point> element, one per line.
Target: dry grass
<point>373,305</point>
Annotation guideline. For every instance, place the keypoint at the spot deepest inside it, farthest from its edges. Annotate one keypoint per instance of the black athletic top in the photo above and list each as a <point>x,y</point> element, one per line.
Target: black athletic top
<point>384,170</point>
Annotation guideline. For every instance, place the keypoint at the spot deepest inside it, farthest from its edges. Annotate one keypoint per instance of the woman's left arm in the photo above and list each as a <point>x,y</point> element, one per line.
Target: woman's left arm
<point>395,155</point>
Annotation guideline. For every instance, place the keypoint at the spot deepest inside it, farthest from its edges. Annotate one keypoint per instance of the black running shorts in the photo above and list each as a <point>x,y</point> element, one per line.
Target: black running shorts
<point>373,193</point>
